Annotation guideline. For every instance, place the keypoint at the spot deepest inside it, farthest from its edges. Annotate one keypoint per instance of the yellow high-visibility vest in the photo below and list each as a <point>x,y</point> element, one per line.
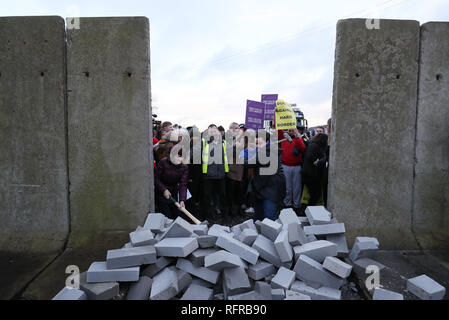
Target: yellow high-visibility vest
<point>205,156</point>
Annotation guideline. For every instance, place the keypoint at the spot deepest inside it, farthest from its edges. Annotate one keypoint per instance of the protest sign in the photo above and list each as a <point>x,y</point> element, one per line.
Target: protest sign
<point>285,117</point>
<point>255,113</point>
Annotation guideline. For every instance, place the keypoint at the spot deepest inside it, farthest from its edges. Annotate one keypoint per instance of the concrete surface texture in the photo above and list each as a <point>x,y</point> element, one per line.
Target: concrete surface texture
<point>431,193</point>
<point>373,130</point>
<point>71,100</point>
<point>33,167</point>
<point>108,66</point>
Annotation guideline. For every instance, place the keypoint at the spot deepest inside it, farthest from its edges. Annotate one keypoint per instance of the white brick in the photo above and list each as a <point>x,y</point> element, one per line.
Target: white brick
<point>248,236</point>
<point>238,248</point>
<point>267,250</point>
<point>318,215</point>
<point>270,229</point>
<point>143,237</point>
<point>261,270</point>
<point>296,235</point>
<point>292,295</point>
<point>283,279</point>
<point>98,272</point>
<point>180,228</point>
<point>426,288</point>
<point>317,250</point>
<point>363,250</point>
<point>165,285</point>
<point>323,293</point>
<point>155,222</point>
<point>325,229</point>
<point>338,267</point>
<point>176,247</point>
<point>222,260</point>
<point>283,247</point>
<point>313,273</point>
<point>382,294</point>
<point>288,216</point>
<point>69,293</point>
<point>200,272</point>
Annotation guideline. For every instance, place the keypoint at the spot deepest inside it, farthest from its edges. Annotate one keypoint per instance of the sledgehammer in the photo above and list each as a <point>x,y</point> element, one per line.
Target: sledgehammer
<point>184,210</point>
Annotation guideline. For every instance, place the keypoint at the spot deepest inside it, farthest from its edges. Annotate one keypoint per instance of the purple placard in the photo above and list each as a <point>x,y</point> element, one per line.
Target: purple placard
<point>270,104</point>
<point>255,114</point>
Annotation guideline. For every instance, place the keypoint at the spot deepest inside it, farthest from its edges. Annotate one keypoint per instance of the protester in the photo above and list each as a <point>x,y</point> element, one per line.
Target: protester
<point>234,178</point>
<point>170,178</point>
<point>292,153</point>
<point>313,167</point>
<point>214,168</point>
<point>266,192</point>
<point>195,173</point>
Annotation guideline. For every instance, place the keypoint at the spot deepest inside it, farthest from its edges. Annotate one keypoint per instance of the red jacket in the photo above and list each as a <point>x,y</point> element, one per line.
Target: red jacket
<point>288,158</point>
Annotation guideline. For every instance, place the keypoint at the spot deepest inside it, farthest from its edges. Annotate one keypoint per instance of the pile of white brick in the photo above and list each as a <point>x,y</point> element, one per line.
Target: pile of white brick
<point>293,258</point>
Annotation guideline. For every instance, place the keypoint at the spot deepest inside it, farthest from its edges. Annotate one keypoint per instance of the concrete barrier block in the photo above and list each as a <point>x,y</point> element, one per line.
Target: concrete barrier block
<point>143,237</point>
<point>130,257</point>
<point>98,272</point>
<point>98,291</point>
<point>197,256</point>
<point>293,295</point>
<point>238,248</point>
<point>34,210</point>
<point>69,293</point>
<point>155,222</point>
<point>342,245</point>
<point>165,285</point>
<point>200,272</point>
<point>140,290</point>
<point>313,273</point>
<point>359,98</point>
<point>176,247</point>
<point>235,281</point>
<point>196,292</point>
<point>426,288</point>
<point>153,269</point>
<point>325,229</point>
<point>317,250</point>
<point>382,294</point>
<point>108,111</point>
<point>283,279</point>
<point>318,215</point>
<point>270,229</point>
<point>206,241</point>
<point>430,207</point>
<point>337,267</point>
<point>283,247</point>
<point>248,236</point>
<point>222,260</point>
<point>267,251</point>
<point>363,250</point>
<point>261,270</point>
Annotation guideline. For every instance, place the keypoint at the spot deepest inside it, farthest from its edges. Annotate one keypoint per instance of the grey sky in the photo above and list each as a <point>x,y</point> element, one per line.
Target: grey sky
<point>208,57</point>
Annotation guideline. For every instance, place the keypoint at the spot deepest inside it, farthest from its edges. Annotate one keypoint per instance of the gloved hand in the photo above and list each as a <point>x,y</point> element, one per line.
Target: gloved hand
<point>287,136</point>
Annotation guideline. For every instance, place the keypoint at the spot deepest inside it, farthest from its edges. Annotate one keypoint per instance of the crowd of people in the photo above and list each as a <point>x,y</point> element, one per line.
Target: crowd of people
<point>219,179</point>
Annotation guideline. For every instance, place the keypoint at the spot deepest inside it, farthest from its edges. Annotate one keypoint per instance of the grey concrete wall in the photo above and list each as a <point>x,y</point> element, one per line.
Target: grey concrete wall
<point>33,164</point>
<point>431,196</point>
<point>110,158</point>
<point>373,133</point>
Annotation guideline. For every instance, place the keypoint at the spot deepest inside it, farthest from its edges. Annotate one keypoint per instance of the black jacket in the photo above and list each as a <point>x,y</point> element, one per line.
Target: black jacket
<point>314,152</point>
<point>266,187</point>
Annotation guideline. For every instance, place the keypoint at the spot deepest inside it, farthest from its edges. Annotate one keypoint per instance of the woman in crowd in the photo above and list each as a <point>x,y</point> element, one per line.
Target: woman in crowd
<point>171,178</point>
